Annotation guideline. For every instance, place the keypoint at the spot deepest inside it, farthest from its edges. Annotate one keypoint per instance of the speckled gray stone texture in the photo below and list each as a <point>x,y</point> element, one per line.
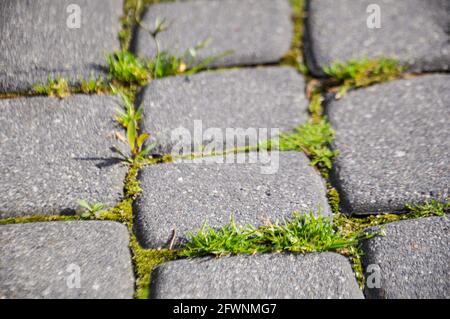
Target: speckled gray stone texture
<point>36,40</point>
<point>394,142</point>
<point>257,98</point>
<point>412,260</point>
<point>55,152</point>
<point>269,276</point>
<point>257,31</point>
<point>43,260</point>
<point>414,31</point>
<point>182,196</point>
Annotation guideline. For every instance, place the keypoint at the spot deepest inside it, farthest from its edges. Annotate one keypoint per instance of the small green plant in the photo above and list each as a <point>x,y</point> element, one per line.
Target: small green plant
<point>126,68</point>
<point>129,118</point>
<point>55,87</point>
<point>303,233</point>
<point>313,139</point>
<point>364,72</point>
<point>91,210</point>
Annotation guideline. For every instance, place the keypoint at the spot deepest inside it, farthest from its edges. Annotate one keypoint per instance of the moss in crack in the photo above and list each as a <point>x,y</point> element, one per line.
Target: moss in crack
<point>37,219</point>
<point>362,73</point>
<point>61,87</point>
<point>348,226</point>
<point>294,57</point>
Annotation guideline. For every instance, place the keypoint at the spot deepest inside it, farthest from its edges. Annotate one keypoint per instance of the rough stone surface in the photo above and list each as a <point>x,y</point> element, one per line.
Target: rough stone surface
<point>413,259</point>
<point>55,152</point>
<point>257,31</point>
<point>393,141</point>
<point>337,31</point>
<point>41,260</point>
<point>277,276</point>
<point>182,196</point>
<point>251,98</point>
<point>36,41</point>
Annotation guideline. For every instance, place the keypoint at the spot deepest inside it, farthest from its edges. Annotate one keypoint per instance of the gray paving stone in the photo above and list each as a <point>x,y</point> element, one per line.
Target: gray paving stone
<point>36,41</point>
<point>393,141</point>
<point>277,276</point>
<point>337,31</point>
<point>251,98</point>
<point>182,196</point>
<point>43,260</point>
<point>257,31</point>
<point>412,260</point>
<point>55,152</point>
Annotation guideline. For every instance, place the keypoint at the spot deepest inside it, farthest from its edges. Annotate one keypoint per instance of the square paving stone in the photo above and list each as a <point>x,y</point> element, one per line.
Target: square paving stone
<point>257,31</point>
<point>261,98</point>
<point>86,259</point>
<point>412,260</point>
<point>413,31</point>
<point>55,152</point>
<point>268,276</point>
<point>43,38</point>
<point>180,197</point>
<point>394,142</point>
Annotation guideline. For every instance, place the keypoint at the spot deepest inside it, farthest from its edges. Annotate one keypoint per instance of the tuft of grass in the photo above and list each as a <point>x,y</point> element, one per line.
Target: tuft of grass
<point>126,68</point>
<point>304,233</point>
<point>55,87</point>
<point>314,139</point>
<point>364,72</point>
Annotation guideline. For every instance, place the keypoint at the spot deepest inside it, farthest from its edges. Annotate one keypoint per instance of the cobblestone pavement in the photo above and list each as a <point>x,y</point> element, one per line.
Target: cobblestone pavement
<point>393,141</point>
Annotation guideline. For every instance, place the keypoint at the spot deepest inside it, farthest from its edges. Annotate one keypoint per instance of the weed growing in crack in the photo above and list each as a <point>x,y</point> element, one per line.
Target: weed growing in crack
<point>129,118</point>
<point>362,73</point>
<point>91,210</point>
<point>302,234</point>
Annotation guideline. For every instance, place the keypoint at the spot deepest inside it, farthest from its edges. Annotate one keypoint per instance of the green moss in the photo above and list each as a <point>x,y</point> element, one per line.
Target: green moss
<point>55,87</point>
<point>364,72</point>
<point>145,260</point>
<point>333,198</point>
<point>37,218</point>
<point>294,57</point>
<point>61,87</point>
